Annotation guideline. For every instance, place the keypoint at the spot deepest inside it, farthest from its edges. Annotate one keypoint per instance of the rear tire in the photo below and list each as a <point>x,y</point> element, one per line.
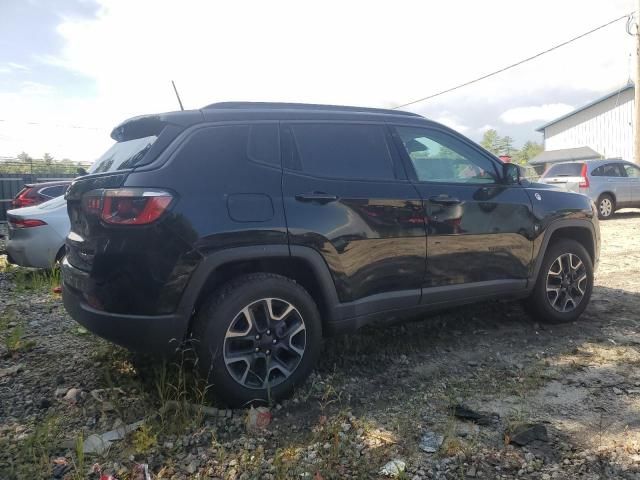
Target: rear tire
<point>564,283</point>
<point>259,327</point>
<point>606,206</point>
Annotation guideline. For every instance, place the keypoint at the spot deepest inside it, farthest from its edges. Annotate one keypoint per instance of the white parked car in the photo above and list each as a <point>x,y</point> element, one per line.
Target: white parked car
<point>37,234</point>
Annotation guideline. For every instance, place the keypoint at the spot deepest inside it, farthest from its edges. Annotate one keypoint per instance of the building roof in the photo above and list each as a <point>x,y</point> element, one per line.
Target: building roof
<point>590,104</point>
<point>564,155</point>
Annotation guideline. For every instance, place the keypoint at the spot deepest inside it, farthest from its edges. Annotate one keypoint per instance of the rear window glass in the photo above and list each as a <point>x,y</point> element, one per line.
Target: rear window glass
<point>564,170</point>
<point>123,155</point>
<point>343,151</point>
<point>54,191</point>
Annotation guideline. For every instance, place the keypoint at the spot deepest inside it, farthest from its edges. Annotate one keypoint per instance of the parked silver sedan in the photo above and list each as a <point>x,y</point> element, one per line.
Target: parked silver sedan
<point>612,183</point>
<point>37,234</point>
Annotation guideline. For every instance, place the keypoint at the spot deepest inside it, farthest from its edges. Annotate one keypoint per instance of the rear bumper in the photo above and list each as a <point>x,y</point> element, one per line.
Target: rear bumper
<point>153,334</point>
<point>35,252</point>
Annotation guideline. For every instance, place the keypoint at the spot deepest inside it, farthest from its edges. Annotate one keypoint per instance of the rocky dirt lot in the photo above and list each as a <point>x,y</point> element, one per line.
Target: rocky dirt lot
<point>481,392</point>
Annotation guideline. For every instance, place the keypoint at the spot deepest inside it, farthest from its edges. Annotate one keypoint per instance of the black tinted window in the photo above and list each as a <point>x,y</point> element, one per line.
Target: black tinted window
<point>54,191</point>
<point>610,170</point>
<point>343,151</point>
<point>232,144</point>
<point>262,145</point>
<point>564,170</point>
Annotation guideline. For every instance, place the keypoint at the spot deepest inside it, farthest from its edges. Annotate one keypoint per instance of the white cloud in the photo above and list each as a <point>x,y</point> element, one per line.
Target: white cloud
<point>538,113</point>
<point>486,127</point>
<point>29,87</point>
<point>354,53</point>
<point>452,122</point>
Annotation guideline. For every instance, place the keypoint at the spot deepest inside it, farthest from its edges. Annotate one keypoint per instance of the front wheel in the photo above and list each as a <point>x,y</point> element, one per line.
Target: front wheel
<point>257,338</point>
<point>564,283</point>
<point>606,206</point>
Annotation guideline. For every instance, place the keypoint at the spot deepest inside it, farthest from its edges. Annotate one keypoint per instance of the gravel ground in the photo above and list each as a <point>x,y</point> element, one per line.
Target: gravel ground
<point>552,401</point>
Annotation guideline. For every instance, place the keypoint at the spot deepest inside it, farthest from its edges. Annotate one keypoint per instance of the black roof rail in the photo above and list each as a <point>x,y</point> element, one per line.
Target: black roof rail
<point>303,106</point>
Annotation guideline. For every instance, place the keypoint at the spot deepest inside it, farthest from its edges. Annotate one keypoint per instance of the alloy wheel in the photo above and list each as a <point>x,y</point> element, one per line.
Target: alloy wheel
<point>567,282</point>
<point>606,207</point>
<point>264,343</point>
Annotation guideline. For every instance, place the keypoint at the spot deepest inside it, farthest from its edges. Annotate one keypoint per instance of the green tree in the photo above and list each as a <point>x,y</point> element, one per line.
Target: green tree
<point>505,145</point>
<point>24,157</point>
<point>491,141</point>
<point>48,158</point>
<point>527,152</point>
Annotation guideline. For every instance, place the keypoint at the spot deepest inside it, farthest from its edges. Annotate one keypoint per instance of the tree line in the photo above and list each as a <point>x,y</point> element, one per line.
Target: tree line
<point>504,146</point>
<point>26,164</point>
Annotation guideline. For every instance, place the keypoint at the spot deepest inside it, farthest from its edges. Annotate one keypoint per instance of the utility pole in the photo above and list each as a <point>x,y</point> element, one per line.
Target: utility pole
<point>636,89</point>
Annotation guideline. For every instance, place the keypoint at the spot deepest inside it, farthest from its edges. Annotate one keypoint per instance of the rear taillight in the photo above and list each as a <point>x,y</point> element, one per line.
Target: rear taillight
<point>25,222</point>
<point>127,206</point>
<point>584,182</point>
<point>22,200</point>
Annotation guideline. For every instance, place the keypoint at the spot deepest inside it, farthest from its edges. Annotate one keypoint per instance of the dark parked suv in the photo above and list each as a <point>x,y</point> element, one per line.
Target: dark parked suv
<point>256,229</point>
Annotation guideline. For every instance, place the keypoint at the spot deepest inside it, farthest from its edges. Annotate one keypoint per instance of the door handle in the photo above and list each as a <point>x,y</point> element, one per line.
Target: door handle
<point>318,197</point>
<point>444,200</point>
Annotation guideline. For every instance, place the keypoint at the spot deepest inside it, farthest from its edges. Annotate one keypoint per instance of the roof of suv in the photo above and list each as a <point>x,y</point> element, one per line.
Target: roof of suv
<point>242,111</point>
<point>307,107</point>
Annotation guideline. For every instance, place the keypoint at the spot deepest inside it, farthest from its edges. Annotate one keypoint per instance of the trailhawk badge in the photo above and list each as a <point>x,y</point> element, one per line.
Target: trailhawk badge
<point>538,196</point>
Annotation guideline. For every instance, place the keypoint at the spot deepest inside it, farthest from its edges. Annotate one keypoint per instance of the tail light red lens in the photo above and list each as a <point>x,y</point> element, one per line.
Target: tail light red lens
<point>25,222</point>
<point>127,206</point>
<point>22,200</point>
<point>584,183</point>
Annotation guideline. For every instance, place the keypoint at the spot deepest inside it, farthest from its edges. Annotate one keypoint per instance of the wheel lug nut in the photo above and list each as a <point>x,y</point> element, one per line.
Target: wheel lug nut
<point>257,337</point>
<point>257,349</point>
<point>268,332</point>
<point>274,341</point>
<point>268,352</point>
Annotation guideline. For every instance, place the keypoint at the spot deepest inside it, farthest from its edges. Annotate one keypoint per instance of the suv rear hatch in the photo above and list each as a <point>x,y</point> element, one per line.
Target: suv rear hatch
<point>139,141</point>
<point>571,177</point>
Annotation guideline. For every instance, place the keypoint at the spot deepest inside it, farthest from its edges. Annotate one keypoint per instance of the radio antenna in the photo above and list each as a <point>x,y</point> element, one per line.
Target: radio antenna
<point>177,94</point>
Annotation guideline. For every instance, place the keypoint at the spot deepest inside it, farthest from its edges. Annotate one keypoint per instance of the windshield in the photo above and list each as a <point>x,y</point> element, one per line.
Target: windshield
<point>564,170</point>
<point>123,155</point>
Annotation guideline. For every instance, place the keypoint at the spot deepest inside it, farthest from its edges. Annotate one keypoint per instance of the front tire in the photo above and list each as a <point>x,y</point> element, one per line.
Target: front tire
<point>564,283</point>
<point>257,338</point>
<point>606,206</point>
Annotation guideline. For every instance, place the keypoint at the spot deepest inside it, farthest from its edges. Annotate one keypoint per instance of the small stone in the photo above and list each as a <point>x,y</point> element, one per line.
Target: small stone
<point>5,372</point>
<point>346,427</point>
<point>527,433</point>
<point>73,395</point>
<point>617,391</point>
<point>546,476</point>
<point>393,468</point>
<point>193,466</point>
<point>430,442</point>
<point>472,472</point>
<point>44,403</point>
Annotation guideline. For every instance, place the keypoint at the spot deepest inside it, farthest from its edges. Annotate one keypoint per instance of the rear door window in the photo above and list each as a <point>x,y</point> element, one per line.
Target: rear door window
<point>347,151</point>
<point>564,170</point>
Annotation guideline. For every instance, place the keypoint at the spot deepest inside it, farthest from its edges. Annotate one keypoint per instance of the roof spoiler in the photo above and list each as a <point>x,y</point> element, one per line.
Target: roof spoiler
<point>148,125</point>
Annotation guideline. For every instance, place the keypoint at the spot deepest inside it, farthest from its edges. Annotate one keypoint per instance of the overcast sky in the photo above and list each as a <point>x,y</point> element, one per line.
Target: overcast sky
<point>72,69</point>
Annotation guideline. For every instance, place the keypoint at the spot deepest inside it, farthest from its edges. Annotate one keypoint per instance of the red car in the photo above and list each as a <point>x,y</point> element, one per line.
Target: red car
<point>36,193</point>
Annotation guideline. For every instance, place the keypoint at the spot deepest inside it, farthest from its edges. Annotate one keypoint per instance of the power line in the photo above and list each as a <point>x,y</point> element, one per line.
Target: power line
<point>515,64</point>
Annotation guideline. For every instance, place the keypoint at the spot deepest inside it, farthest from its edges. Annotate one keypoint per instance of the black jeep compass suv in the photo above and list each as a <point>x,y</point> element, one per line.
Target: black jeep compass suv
<point>255,229</point>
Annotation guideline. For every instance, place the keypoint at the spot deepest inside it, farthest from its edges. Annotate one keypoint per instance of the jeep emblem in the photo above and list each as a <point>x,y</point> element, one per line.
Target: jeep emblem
<point>538,196</point>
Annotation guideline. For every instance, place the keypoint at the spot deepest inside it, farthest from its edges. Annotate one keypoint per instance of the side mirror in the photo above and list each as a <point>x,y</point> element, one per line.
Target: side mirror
<point>511,173</point>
